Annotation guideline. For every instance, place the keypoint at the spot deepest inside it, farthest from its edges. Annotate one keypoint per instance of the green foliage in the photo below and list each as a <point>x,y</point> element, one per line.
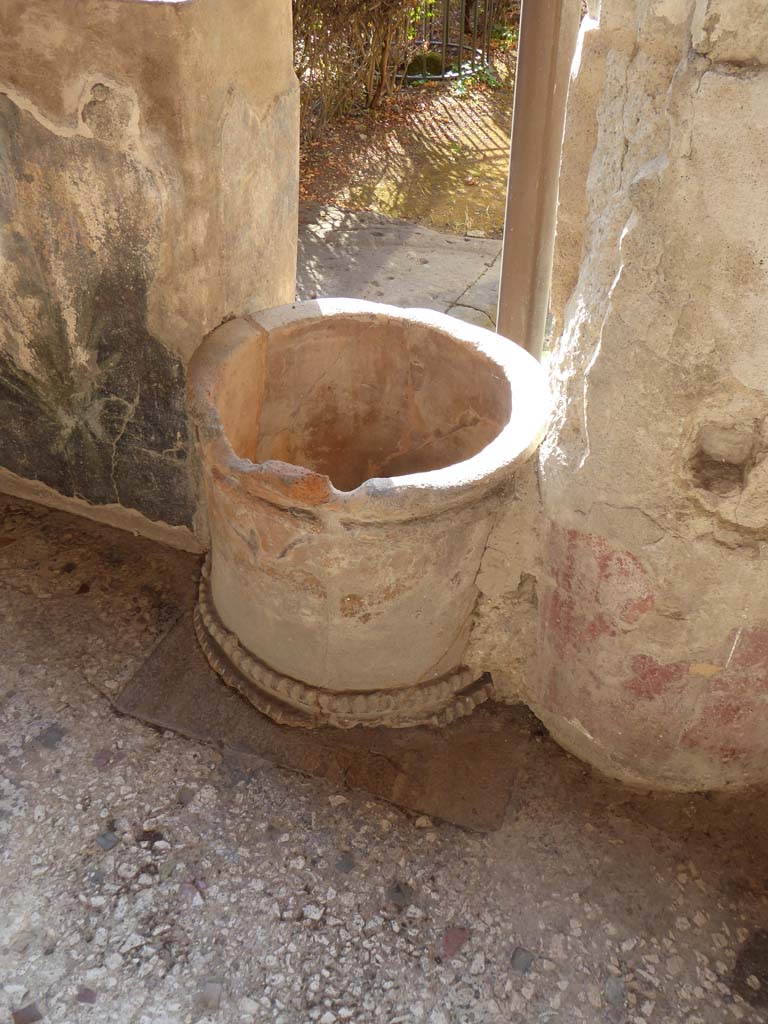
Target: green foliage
<point>486,75</point>
<point>505,35</point>
<point>427,63</point>
<point>422,9</point>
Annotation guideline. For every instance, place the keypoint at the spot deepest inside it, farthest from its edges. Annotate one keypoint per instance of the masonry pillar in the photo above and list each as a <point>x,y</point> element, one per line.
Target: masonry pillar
<point>653,597</point>
<point>148,189</point>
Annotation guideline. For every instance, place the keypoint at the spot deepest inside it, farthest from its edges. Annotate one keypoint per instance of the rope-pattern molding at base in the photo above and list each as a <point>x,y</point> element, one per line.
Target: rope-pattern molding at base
<point>288,701</point>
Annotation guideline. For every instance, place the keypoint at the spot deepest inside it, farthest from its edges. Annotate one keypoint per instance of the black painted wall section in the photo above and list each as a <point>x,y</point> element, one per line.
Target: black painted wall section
<point>90,402</point>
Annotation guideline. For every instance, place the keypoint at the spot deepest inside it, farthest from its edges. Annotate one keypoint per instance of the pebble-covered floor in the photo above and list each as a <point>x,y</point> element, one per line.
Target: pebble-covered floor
<point>145,878</point>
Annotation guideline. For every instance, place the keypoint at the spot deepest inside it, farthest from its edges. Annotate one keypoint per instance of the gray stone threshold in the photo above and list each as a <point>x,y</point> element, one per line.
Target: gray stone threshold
<point>370,256</point>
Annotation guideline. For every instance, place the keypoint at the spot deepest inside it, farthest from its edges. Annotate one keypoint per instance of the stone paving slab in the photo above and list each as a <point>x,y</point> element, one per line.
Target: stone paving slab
<point>370,256</point>
<point>463,774</point>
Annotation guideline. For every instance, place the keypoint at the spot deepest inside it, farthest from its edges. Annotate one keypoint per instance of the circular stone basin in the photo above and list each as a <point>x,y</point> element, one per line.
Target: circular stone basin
<point>354,457</point>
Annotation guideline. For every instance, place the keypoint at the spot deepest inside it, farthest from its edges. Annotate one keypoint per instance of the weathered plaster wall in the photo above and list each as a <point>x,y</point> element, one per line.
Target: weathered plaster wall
<point>148,189</point>
<point>503,640</point>
<point>653,590</point>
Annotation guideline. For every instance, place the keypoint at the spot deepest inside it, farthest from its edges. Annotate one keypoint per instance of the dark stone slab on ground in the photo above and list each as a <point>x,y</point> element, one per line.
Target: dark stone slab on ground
<point>463,774</point>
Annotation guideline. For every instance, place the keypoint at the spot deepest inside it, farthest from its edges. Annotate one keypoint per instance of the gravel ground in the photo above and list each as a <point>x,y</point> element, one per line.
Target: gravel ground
<point>146,878</point>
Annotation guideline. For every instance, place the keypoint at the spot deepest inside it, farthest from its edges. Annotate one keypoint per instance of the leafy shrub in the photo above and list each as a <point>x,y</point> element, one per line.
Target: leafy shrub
<point>348,53</point>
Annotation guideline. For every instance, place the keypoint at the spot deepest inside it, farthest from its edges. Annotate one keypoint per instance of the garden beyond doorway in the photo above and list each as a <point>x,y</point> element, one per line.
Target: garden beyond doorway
<point>434,153</point>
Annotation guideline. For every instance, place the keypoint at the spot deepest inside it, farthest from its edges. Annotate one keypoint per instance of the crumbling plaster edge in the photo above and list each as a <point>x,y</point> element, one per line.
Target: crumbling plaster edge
<point>118,516</point>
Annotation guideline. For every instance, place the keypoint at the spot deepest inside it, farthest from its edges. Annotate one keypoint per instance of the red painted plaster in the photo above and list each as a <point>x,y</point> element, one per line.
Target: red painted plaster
<point>597,590</point>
